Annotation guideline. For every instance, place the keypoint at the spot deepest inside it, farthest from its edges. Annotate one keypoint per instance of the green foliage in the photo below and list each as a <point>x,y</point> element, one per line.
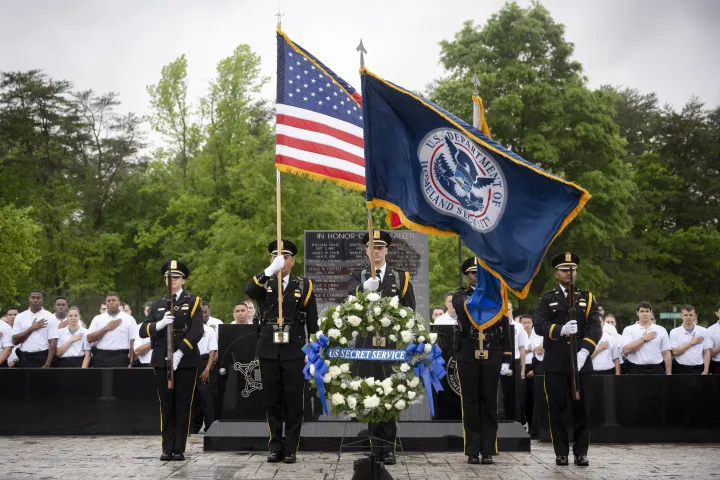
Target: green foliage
<point>17,250</point>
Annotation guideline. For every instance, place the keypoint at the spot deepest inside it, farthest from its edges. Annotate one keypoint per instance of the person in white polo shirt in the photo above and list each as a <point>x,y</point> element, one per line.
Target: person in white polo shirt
<point>6,343</point>
<point>212,322</point>
<point>606,357</point>
<point>73,350</point>
<point>203,409</point>
<point>35,333</point>
<point>646,345</point>
<point>691,345</point>
<point>449,317</point>
<point>714,333</point>
<point>113,334</point>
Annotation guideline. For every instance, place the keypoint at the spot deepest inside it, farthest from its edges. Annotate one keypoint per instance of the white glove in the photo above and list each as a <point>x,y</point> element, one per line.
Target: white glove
<point>582,356</point>
<point>166,320</point>
<point>570,328</point>
<point>505,369</point>
<point>277,264</point>
<point>176,358</point>
<point>371,284</point>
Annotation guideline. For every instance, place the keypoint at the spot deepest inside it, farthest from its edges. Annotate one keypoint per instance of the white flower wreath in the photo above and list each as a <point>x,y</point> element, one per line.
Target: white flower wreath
<point>368,399</point>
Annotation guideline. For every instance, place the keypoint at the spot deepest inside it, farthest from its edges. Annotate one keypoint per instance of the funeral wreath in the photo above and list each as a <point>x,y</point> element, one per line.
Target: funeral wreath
<point>330,359</point>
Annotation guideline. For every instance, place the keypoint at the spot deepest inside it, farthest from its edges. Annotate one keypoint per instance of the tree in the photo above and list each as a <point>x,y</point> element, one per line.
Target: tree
<point>18,251</point>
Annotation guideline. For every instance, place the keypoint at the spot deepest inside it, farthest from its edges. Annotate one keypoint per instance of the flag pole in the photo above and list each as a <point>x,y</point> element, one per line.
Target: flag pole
<point>361,48</point>
<point>278,206</point>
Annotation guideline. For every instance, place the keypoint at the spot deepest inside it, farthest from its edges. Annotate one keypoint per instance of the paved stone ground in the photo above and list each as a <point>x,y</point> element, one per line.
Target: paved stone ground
<point>80,458</point>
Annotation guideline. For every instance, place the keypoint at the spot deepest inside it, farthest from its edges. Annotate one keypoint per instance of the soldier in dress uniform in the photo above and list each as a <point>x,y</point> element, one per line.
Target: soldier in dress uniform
<point>551,322</point>
<point>388,282</point>
<point>479,372</point>
<point>175,404</point>
<point>280,348</point>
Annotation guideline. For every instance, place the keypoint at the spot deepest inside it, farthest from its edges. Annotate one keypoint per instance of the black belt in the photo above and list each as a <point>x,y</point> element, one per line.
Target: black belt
<point>41,353</point>
<point>205,356</point>
<point>110,352</point>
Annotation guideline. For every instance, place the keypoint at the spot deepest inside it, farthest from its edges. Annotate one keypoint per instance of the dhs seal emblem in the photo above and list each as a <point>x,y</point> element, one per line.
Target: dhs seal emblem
<point>462,179</point>
<point>453,377</point>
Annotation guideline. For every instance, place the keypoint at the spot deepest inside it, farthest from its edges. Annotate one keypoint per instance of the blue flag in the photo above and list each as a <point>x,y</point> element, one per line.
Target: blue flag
<point>488,303</point>
<point>442,176</point>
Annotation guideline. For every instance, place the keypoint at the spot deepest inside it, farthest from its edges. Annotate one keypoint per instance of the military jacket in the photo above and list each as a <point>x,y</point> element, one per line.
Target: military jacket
<point>188,327</point>
<point>497,340</point>
<point>551,314</point>
<point>299,312</point>
<point>388,286</point>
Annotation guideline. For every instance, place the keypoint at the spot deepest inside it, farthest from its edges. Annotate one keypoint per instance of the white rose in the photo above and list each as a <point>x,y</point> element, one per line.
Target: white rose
<point>400,404</point>
<point>421,338</point>
<point>433,337</point>
<point>406,336</point>
<point>342,340</point>
<point>338,399</point>
<point>336,315</point>
<point>392,337</point>
<point>370,328</point>
<point>410,323</point>
<point>387,382</point>
<point>312,369</point>
<point>373,297</point>
<point>395,302</point>
<point>387,390</point>
<point>403,314</point>
<point>396,327</point>
<point>401,388</point>
<point>345,367</point>
<point>327,362</point>
<point>377,310</point>
<point>385,322</point>
<point>404,367</point>
<point>355,384</point>
<point>370,381</point>
<point>421,327</point>
<point>428,348</point>
<point>351,299</point>
<point>354,333</point>
<point>388,406</point>
<point>371,402</point>
<point>379,390</point>
<point>414,382</point>
<point>357,306</point>
<point>352,402</point>
<point>327,378</point>
<point>333,333</point>
<point>343,385</point>
<point>411,395</point>
<point>354,320</point>
<point>334,371</point>
<point>337,322</point>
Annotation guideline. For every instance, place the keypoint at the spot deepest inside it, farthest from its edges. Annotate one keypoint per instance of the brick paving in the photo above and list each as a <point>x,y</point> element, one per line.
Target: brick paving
<point>79,458</point>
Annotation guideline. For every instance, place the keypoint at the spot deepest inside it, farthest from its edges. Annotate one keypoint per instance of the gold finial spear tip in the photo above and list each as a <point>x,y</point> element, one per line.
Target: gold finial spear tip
<point>361,48</point>
<point>476,84</point>
<point>279,16</point>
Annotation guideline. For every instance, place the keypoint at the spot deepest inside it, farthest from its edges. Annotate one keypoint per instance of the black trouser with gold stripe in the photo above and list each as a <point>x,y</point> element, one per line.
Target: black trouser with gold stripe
<point>557,392</point>
<point>175,406</point>
<point>203,407</point>
<point>283,386</point>
<point>479,382</point>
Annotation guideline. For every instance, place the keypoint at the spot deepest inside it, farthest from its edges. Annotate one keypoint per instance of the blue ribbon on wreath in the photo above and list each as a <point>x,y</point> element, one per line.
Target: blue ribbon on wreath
<point>312,351</point>
<point>430,374</point>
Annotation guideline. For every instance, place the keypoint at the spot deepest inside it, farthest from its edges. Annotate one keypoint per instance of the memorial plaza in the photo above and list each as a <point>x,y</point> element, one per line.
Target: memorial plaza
<point>102,457</point>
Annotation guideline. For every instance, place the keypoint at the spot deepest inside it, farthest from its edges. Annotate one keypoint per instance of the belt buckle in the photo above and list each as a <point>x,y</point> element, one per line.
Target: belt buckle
<point>481,354</point>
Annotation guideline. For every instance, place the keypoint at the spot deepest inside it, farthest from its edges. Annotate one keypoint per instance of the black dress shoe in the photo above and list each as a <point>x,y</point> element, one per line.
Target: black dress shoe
<point>487,460</point>
<point>389,458</point>
<point>561,460</point>
<point>473,459</point>
<point>166,455</point>
<point>290,458</point>
<point>178,455</point>
<point>582,461</point>
<point>276,457</point>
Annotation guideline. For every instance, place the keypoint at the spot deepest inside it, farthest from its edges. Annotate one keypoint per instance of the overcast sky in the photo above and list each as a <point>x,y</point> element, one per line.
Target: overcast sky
<point>668,47</point>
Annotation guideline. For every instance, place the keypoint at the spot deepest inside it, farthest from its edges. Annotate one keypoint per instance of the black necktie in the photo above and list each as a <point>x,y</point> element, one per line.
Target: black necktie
<point>378,274</point>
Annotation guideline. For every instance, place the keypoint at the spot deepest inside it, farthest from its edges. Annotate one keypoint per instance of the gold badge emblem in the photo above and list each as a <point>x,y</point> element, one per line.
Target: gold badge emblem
<point>568,257</point>
<point>376,234</point>
<point>173,264</point>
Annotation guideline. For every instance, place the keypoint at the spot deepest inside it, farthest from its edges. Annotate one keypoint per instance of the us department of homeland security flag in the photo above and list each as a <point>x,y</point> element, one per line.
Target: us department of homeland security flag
<point>488,303</point>
<point>442,176</point>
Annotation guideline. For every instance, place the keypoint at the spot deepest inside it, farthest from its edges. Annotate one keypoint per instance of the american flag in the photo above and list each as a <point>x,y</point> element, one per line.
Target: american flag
<point>319,123</point>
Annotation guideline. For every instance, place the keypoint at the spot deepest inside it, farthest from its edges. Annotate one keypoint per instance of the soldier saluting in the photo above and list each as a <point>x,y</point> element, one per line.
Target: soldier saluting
<point>552,323</point>
<point>388,282</point>
<point>479,369</point>
<point>175,404</point>
<point>279,348</point>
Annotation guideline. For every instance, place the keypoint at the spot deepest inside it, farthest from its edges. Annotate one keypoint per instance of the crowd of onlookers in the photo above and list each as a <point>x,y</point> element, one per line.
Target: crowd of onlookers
<point>34,337</point>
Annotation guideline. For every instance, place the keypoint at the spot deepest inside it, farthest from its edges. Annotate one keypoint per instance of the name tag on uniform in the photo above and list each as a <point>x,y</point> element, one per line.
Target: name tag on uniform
<point>553,304</point>
<point>161,309</point>
<point>582,304</point>
<point>297,293</point>
<point>185,307</point>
